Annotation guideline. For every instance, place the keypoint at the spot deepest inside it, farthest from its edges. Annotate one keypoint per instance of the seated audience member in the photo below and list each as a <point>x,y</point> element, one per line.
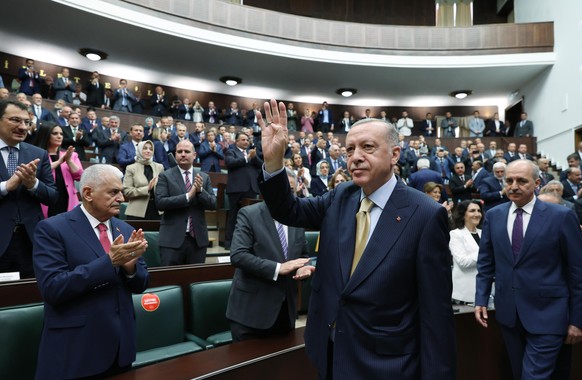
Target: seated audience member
<point>461,185</point>
<point>492,190</point>
<point>139,183</point>
<point>572,184</point>
<point>269,257</point>
<point>556,188</point>
<point>183,194</point>
<point>126,155</point>
<point>88,263</point>
<point>161,147</point>
<point>210,153</point>
<point>319,183</point>
<point>464,246</point>
<point>65,165</point>
<point>511,154</point>
<point>337,178</point>
<point>423,175</point>
<point>522,153</point>
<point>492,151</point>
<point>573,162</point>
<point>436,192</point>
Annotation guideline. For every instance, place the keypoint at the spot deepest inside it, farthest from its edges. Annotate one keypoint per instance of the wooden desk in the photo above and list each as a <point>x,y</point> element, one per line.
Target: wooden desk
<point>280,358</point>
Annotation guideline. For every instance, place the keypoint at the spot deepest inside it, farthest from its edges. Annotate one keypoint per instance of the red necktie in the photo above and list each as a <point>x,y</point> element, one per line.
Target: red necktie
<point>103,238</point>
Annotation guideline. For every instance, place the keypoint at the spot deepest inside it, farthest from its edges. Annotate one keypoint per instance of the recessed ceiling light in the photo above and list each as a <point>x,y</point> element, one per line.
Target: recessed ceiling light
<point>231,81</point>
<point>461,94</point>
<point>93,54</point>
<point>346,92</point>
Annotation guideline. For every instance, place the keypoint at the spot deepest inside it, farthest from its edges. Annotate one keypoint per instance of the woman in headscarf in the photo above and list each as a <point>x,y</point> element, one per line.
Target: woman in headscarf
<point>319,184</point>
<point>139,183</point>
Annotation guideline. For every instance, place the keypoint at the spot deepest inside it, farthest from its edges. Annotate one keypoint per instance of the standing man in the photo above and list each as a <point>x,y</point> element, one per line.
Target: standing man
<point>492,188</point>
<point>243,166</point>
<point>495,127</point>
<point>524,127</point>
<point>95,91</point>
<point>64,86</point>
<point>405,124</point>
<point>449,126</point>
<point>183,194</point>
<point>476,125</point>
<point>74,135</point>
<point>87,264</point>
<point>108,138</point>
<point>123,98</point>
<point>26,181</point>
<point>269,257</point>
<point>325,119</point>
<point>126,154</point>
<point>355,331</point>
<point>159,102</point>
<point>30,79</point>
<point>532,250</point>
<point>428,126</point>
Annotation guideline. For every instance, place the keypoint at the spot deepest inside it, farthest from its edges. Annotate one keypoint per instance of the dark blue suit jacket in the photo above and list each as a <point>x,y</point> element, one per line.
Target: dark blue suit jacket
<point>209,160</point>
<point>160,154</point>
<point>88,313</point>
<point>23,201</point>
<point>544,285</point>
<point>393,316</point>
<point>126,154</point>
<point>489,192</point>
<point>25,81</point>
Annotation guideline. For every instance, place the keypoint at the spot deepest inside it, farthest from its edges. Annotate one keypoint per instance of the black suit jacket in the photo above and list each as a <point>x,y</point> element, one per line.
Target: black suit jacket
<point>171,199</point>
<point>568,192</point>
<point>242,175</point>
<point>255,298</point>
<point>79,145</point>
<point>458,189</point>
<point>95,95</point>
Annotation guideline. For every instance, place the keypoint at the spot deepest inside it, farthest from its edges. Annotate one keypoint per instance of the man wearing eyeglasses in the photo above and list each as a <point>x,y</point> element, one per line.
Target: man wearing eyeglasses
<point>26,181</point>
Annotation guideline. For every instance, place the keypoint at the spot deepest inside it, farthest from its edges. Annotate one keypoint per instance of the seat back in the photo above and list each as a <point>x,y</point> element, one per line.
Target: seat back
<point>312,237</point>
<point>208,301</point>
<point>20,332</point>
<point>165,325</point>
<point>152,254</point>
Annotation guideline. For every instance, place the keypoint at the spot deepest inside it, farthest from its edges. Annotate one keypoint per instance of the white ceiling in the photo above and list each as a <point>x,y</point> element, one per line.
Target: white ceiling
<point>51,32</point>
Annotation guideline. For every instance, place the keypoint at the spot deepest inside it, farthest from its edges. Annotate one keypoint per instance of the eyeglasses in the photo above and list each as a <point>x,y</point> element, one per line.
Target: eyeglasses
<point>18,121</point>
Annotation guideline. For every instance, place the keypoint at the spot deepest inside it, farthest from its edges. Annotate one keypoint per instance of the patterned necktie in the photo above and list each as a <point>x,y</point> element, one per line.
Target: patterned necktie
<point>103,238</point>
<point>283,239</point>
<point>12,163</point>
<point>362,230</point>
<point>188,188</point>
<point>517,233</point>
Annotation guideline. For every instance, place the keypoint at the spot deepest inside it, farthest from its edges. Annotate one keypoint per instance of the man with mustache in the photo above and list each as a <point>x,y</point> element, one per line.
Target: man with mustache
<point>532,251</point>
<point>381,301</point>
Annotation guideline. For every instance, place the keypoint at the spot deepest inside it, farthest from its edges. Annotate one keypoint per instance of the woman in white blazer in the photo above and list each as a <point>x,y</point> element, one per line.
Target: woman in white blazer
<point>464,245</point>
<point>139,183</point>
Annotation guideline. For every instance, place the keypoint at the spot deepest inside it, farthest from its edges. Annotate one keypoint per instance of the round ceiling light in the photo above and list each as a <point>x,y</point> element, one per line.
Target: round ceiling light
<point>346,92</point>
<point>93,54</point>
<point>461,94</point>
<point>231,81</point>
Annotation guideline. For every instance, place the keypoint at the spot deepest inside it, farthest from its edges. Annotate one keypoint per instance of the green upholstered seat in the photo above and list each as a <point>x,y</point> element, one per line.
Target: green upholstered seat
<point>20,331</point>
<point>152,254</point>
<point>311,237</point>
<point>208,324</point>
<point>160,333</point>
<point>122,208</point>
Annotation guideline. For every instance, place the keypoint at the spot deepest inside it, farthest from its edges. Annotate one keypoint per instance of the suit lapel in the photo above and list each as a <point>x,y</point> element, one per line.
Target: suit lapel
<point>272,231</point>
<point>179,179</point>
<point>392,223</point>
<point>347,234</point>
<point>536,221</point>
<point>80,225</point>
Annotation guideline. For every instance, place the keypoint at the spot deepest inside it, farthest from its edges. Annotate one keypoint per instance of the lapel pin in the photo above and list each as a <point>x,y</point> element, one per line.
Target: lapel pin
<point>398,218</point>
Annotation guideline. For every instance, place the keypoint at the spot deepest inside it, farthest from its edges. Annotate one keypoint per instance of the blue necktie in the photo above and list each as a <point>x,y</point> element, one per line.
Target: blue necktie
<point>282,238</point>
<point>517,233</point>
<point>12,163</point>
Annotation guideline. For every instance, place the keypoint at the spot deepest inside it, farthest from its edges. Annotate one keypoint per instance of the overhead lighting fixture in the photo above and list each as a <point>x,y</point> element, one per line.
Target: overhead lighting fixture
<point>231,81</point>
<point>93,54</point>
<point>461,94</point>
<point>346,92</point>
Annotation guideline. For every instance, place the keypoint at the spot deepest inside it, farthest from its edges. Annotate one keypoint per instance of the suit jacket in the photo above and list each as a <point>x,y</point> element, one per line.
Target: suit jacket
<point>126,154</point>
<point>317,186</point>
<point>208,113</point>
<point>316,156</point>
<point>242,175</point>
<point>490,193</point>
<point>69,178</point>
<point>476,127</point>
<point>458,189</point>
<point>160,154</point>
<point>210,160</point>
<point>107,147</point>
<point>30,85</point>
<point>255,299</point>
<point>568,191</point>
<point>23,202</point>
<point>95,95</point>
<point>526,129</point>
<point>480,177</point>
<point>87,301</point>
<point>376,337</point>
<point>491,129</point>
<point>118,100</point>
<point>171,199</point>
<point>233,117</point>
<point>509,158</point>
<point>64,90</point>
<point>79,145</point>
<point>424,126</point>
<point>447,165</point>
<point>545,177</point>
<point>544,284</point>
<point>420,178</point>
<point>45,115</point>
<point>464,250</point>
<point>182,112</point>
<point>135,188</point>
<point>341,164</point>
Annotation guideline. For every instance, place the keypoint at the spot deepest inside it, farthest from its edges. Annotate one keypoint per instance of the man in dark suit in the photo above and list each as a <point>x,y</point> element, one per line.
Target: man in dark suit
<point>64,86</point>
<point>126,154</point>
<point>545,177</point>
<point>428,126</point>
<point>30,79</point>
<point>269,258</point>
<point>460,184</point>
<point>159,102</point>
<point>522,153</point>
<point>492,189</point>
<point>123,98</point>
<point>354,330</point>
<point>524,127</point>
<point>423,174</point>
<point>572,184</point>
<point>211,114</point>
<point>41,113</point>
<point>183,194</point>
<point>495,127</point>
<point>26,181</point>
<point>318,153</point>
<point>95,91</point>
<point>87,264</point>
<point>478,173</point>
<point>108,139</point>
<point>334,160</point>
<point>243,166</point>
<point>511,154</point>
<point>532,250</point>
<point>73,135</point>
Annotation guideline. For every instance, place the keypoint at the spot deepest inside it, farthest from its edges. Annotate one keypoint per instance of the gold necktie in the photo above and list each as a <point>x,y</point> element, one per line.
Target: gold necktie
<point>362,230</point>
